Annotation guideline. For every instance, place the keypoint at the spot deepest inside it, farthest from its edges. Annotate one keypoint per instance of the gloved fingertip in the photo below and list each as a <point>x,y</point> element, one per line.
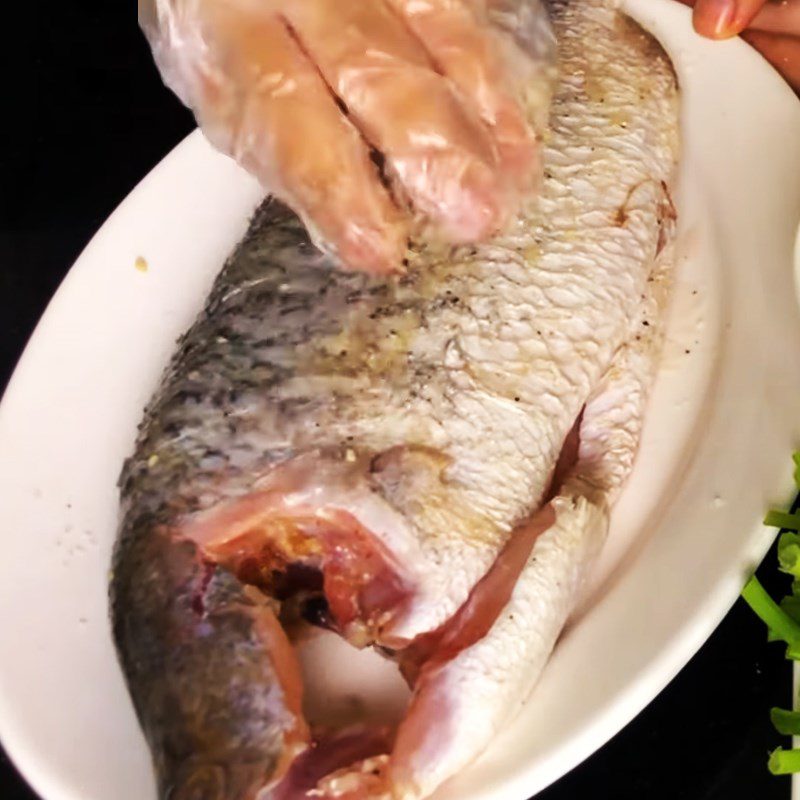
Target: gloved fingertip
<point>481,208</point>
<point>521,163</point>
<point>376,251</point>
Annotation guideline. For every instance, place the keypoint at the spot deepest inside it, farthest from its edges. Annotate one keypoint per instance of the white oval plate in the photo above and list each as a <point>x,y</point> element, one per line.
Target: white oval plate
<point>723,420</point>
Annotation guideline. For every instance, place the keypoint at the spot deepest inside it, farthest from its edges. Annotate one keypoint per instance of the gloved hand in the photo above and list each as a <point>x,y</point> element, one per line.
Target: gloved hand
<point>368,117</point>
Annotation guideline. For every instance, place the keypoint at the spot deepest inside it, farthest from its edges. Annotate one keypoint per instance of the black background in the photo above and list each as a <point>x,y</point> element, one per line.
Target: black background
<point>86,116</point>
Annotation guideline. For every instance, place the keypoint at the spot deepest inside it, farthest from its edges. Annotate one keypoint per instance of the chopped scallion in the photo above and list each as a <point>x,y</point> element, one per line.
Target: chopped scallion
<point>785,722</point>
<point>791,605</point>
<point>781,624</point>
<point>784,762</point>
<point>793,651</point>
<point>783,621</point>
<point>780,519</point>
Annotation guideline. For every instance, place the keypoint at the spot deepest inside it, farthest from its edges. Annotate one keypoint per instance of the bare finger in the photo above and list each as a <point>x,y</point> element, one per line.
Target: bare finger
<point>722,19</point>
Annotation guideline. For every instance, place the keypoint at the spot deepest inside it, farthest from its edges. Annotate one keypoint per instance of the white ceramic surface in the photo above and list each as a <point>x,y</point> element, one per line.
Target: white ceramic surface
<point>716,452</point>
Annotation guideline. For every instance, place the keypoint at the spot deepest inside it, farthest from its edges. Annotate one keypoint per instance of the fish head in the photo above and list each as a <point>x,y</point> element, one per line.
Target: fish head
<point>335,536</point>
<point>215,678</point>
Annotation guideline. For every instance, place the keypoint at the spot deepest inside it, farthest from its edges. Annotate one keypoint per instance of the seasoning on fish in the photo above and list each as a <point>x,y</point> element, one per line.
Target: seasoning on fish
<point>423,463</point>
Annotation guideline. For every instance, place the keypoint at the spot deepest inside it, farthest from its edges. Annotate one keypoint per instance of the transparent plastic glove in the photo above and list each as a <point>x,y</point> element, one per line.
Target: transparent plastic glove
<point>312,95</point>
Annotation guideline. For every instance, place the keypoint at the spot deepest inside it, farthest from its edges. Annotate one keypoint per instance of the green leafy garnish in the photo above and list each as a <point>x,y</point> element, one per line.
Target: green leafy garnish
<point>781,625</point>
<point>785,722</point>
<point>789,553</point>
<point>782,620</point>
<point>784,762</point>
<point>791,605</point>
<point>793,651</point>
<point>780,519</point>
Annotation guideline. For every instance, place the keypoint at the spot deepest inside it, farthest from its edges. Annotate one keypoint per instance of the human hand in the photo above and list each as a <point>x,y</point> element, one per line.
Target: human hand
<point>771,26</point>
<point>306,93</point>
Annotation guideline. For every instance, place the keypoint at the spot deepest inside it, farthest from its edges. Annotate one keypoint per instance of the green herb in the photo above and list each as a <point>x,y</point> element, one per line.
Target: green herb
<point>791,606</point>
<point>782,620</point>
<point>784,762</point>
<point>780,519</point>
<point>786,722</point>
<point>789,553</point>
<point>782,627</point>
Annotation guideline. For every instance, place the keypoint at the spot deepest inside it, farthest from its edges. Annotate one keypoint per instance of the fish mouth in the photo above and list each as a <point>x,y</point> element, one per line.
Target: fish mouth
<point>315,536</point>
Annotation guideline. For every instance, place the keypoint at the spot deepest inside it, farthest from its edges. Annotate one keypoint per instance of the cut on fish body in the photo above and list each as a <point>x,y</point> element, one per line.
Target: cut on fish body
<point>372,454</point>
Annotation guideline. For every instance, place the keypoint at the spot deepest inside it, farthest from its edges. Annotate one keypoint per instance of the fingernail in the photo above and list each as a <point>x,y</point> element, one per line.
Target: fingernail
<point>715,18</point>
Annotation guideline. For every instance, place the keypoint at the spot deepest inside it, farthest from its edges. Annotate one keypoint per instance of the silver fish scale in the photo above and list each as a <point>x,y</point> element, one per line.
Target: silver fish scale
<point>486,354</point>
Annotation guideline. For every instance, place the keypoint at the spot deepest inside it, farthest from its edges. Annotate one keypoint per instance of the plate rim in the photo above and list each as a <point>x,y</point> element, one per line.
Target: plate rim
<point>642,690</point>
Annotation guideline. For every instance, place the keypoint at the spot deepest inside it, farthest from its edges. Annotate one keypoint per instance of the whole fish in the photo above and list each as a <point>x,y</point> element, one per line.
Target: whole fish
<point>423,464</point>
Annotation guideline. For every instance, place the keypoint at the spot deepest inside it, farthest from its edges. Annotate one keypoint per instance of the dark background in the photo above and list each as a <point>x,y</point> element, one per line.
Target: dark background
<point>87,118</point>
